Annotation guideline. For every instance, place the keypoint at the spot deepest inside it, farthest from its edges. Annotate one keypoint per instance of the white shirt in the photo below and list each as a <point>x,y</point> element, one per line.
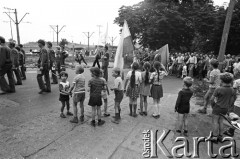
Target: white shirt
<point>192,60</point>
<point>184,71</point>
<point>236,85</point>
<point>138,76</point>
<point>180,59</point>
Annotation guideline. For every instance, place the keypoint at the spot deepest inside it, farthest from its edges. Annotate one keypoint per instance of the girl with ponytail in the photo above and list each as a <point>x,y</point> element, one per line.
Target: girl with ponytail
<point>145,88</point>
<point>157,90</point>
<point>133,88</point>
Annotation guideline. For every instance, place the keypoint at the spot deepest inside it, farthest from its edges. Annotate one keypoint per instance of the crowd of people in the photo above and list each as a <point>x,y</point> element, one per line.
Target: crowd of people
<point>12,62</point>
<point>144,80</point>
<point>197,65</point>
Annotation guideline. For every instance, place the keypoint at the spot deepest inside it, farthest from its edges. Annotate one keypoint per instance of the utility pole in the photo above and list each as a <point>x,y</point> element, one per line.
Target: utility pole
<point>112,40</point>
<point>16,21</point>
<point>99,32</point>
<point>225,33</point>
<point>57,31</point>
<point>10,21</point>
<point>87,35</point>
<point>10,27</point>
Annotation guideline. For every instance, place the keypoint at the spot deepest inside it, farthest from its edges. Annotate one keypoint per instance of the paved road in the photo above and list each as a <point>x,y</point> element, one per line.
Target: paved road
<point>30,126</point>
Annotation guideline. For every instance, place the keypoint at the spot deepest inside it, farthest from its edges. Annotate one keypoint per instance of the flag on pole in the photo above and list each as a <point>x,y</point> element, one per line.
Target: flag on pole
<point>164,53</point>
<point>104,37</point>
<point>124,53</point>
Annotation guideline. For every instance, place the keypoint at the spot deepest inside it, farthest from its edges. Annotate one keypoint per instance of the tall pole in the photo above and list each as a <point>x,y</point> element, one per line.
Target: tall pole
<point>11,28</point>
<point>225,33</point>
<point>17,27</point>
<point>99,32</point>
<point>57,31</point>
<point>57,34</point>
<point>87,35</point>
<point>16,22</point>
<point>112,40</point>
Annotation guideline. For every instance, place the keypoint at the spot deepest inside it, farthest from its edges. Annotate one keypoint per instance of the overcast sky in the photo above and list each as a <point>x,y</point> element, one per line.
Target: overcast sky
<point>78,15</point>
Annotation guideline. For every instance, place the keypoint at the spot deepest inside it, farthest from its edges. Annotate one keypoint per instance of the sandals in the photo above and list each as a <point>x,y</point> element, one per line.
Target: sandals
<point>106,115</point>
<point>179,131</point>
<point>156,116</point>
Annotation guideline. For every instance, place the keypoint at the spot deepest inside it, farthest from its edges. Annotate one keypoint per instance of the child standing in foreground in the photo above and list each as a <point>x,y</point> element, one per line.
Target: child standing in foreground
<point>95,101</point>
<point>145,88</point>
<point>236,86</point>
<point>133,88</point>
<point>184,71</point>
<point>104,94</point>
<point>221,100</point>
<point>157,90</point>
<point>118,90</point>
<point>183,105</point>
<point>79,93</point>
<point>64,86</point>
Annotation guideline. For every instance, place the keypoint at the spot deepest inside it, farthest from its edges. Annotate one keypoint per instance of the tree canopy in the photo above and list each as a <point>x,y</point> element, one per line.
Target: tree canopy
<point>63,42</point>
<point>192,25</point>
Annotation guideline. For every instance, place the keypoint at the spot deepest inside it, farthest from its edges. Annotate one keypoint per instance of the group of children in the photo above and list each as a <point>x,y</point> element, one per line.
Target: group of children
<point>146,84</point>
<point>137,84</point>
<point>98,90</point>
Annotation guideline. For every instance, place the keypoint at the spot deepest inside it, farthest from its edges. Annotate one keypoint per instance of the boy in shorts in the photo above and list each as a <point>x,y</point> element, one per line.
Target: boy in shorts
<point>214,82</point>
<point>118,90</point>
<point>79,93</point>
<point>96,86</point>
<point>105,93</point>
<point>221,100</point>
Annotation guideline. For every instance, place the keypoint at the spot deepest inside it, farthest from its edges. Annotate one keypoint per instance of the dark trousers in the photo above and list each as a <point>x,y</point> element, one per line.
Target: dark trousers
<point>105,72</point>
<point>58,67</point>
<point>45,73</point>
<point>10,86</point>
<point>96,62</point>
<point>18,75</point>
<point>54,76</point>
<point>179,70</point>
<point>22,67</point>
<point>80,61</point>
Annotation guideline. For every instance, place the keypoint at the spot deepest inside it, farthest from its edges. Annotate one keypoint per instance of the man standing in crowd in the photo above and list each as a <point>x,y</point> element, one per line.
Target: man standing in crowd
<point>58,60</point>
<point>51,55</point>
<point>79,58</point>
<point>22,61</point>
<point>97,57</point>
<point>180,60</point>
<point>192,61</point>
<point>105,63</point>
<point>43,65</point>
<point>15,62</point>
<point>63,56</point>
<point>6,68</point>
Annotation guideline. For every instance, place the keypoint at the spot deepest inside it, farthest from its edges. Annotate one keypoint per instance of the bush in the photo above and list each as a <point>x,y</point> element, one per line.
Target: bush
<point>199,88</point>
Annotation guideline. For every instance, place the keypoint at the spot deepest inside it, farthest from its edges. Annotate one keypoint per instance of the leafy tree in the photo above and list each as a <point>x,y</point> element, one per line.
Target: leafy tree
<point>63,42</point>
<point>192,25</point>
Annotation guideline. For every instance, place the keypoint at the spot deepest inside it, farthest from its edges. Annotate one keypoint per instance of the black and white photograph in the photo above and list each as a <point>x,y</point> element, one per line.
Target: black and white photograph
<point>119,79</point>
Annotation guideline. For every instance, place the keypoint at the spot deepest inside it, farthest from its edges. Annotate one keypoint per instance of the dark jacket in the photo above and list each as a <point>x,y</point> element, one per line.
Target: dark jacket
<point>52,57</point>
<point>105,59</point>
<point>15,57</point>
<point>5,56</point>
<point>183,99</point>
<point>43,60</point>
